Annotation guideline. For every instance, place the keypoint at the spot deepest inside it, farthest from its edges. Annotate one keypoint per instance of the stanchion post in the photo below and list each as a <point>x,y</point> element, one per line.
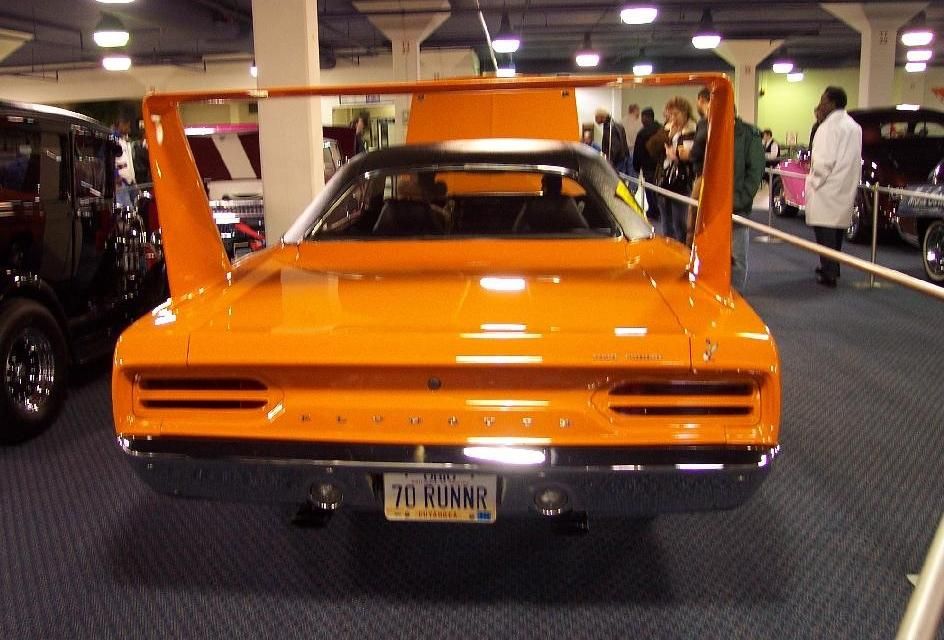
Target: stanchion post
<point>874,230</point>
<point>767,238</point>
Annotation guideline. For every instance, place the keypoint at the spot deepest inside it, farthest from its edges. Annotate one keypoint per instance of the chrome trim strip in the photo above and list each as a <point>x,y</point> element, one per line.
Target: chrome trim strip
<point>558,459</point>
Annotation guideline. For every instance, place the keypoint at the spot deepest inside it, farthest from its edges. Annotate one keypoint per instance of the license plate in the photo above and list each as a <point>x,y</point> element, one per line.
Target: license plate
<point>440,497</point>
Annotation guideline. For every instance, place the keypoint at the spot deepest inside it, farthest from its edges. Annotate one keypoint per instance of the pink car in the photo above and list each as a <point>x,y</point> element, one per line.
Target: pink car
<point>789,191</point>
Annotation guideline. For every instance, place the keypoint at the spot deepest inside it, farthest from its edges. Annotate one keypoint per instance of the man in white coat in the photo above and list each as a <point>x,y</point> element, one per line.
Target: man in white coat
<point>833,179</point>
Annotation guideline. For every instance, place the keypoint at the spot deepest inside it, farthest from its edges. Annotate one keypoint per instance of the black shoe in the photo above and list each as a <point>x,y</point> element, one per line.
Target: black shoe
<point>819,272</point>
<point>826,282</point>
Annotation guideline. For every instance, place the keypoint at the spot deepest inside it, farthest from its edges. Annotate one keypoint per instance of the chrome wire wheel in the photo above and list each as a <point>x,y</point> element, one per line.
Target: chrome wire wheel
<point>855,225</point>
<point>778,201</point>
<point>933,252</point>
<point>30,370</point>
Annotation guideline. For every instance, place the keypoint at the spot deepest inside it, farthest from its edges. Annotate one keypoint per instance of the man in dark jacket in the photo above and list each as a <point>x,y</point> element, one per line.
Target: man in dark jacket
<point>614,139</point>
<point>748,173</point>
<point>643,162</point>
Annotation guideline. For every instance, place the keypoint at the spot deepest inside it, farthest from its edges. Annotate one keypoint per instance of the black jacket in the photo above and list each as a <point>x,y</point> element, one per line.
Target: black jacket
<point>615,152</point>
<point>642,161</point>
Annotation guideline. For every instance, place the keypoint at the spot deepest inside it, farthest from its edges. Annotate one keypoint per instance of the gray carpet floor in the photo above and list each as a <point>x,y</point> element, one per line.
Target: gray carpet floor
<point>822,551</point>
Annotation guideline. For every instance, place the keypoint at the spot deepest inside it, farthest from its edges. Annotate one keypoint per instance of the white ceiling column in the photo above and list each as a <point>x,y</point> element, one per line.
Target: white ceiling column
<point>406,31</point>
<point>11,40</point>
<point>878,23</point>
<point>744,56</point>
<point>285,35</point>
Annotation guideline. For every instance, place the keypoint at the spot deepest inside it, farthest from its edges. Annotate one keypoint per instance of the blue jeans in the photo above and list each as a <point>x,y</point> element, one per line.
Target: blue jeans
<point>674,219</point>
<point>740,239</point>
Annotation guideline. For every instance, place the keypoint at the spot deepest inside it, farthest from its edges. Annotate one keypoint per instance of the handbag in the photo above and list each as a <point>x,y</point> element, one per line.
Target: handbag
<point>678,178</point>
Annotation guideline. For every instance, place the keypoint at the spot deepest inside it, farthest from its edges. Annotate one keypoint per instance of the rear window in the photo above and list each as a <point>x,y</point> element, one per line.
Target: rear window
<point>912,129</point>
<point>466,202</point>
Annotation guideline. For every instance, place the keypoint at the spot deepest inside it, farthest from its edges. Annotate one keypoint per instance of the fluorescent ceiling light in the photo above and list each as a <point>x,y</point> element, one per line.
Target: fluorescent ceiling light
<point>639,14</point>
<point>110,32</point>
<point>586,56</point>
<point>116,63</point>
<point>796,76</point>
<point>916,67</point>
<point>908,107</point>
<point>706,36</point>
<point>505,41</point>
<point>783,66</point>
<point>706,41</point>
<point>917,38</point>
<point>917,34</point>
<point>642,69</point>
<point>919,55</point>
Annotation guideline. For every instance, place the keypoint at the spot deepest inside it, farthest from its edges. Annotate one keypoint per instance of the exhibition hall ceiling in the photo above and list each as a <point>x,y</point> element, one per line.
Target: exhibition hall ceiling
<point>187,32</point>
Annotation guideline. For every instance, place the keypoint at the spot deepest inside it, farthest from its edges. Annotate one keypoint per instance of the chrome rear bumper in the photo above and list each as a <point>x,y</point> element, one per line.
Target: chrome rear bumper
<point>637,481</point>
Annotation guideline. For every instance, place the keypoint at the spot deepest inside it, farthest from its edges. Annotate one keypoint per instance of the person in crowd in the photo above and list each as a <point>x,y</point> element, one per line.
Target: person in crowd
<point>771,148</point>
<point>818,116</point>
<point>632,124</point>
<point>696,155</point>
<point>643,162</point>
<point>677,173</point>
<point>587,139</point>
<point>360,132</point>
<point>125,191</point>
<point>749,166</point>
<point>613,143</point>
<point>835,169</point>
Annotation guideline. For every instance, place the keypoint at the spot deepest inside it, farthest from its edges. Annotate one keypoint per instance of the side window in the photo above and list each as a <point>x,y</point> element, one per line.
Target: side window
<point>929,130</point>
<point>51,183</point>
<point>19,163</point>
<point>91,173</point>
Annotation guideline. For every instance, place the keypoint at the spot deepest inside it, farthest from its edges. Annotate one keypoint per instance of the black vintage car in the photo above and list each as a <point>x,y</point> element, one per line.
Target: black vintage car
<point>898,148</point>
<point>74,269</point>
<point>921,222</point>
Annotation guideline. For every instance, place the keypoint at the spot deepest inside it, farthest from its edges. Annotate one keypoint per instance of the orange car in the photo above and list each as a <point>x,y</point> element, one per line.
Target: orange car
<point>454,331</point>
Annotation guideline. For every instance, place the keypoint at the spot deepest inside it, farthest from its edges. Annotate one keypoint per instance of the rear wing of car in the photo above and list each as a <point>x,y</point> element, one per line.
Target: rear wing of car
<point>195,255</point>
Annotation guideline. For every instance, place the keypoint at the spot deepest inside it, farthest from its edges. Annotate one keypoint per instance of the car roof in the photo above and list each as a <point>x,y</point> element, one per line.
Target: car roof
<point>873,116</point>
<point>500,151</point>
<point>10,107</point>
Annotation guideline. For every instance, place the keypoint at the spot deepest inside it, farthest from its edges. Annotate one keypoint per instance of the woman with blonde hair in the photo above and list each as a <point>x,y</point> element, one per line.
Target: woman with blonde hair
<point>677,174</point>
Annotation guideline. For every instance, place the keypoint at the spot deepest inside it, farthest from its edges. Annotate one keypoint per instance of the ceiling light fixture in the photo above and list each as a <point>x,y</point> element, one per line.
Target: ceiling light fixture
<point>916,67</point>
<point>919,55</point>
<point>506,40</point>
<point>795,76</point>
<point>639,14</point>
<point>642,67</point>
<point>115,1</point>
<point>116,63</point>
<point>782,66</point>
<point>706,36</point>
<point>908,107</point>
<point>506,67</point>
<point>917,34</point>
<point>586,56</point>
<point>110,32</point>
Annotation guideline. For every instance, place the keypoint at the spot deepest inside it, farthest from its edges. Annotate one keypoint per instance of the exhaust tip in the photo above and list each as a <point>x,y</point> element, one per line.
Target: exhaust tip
<point>551,501</point>
<point>325,496</point>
